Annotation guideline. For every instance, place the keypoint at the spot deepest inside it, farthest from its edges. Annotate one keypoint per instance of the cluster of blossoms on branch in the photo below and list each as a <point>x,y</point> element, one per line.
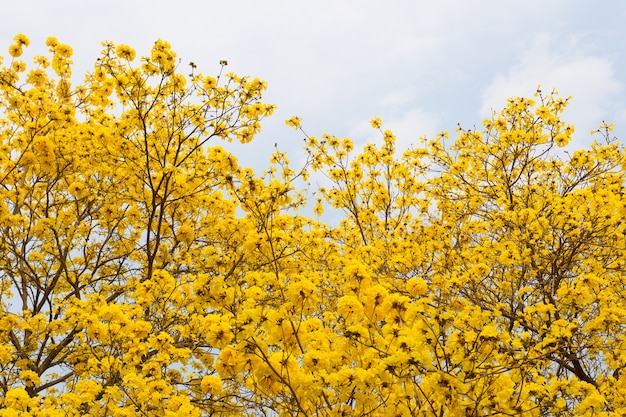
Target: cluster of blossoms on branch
<point>143,271</point>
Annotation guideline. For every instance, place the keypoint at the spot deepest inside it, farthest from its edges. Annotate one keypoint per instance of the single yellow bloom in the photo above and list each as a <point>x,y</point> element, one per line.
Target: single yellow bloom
<point>15,50</point>
<point>561,139</point>
<point>125,52</point>
<point>211,384</point>
<point>52,42</point>
<point>21,39</point>
<point>376,122</point>
<point>185,233</point>
<point>417,286</point>
<point>294,122</point>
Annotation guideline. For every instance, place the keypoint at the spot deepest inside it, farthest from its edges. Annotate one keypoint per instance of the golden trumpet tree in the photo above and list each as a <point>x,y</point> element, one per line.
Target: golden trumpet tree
<point>144,272</point>
<point>489,269</point>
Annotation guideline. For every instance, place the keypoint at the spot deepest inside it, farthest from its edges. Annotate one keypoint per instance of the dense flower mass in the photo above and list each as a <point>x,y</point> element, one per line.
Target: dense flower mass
<point>143,271</point>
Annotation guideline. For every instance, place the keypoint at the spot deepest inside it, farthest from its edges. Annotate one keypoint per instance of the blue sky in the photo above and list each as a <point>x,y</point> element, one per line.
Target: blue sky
<point>423,66</point>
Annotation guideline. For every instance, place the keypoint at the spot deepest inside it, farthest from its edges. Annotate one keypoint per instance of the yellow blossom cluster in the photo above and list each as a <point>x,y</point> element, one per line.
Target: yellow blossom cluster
<point>144,272</point>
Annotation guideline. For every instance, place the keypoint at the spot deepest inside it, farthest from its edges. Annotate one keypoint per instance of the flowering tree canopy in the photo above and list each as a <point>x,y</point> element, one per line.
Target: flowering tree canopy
<point>144,272</point>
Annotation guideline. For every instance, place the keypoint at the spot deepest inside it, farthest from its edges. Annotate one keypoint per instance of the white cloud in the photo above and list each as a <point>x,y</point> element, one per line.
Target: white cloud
<point>397,98</point>
<point>565,65</point>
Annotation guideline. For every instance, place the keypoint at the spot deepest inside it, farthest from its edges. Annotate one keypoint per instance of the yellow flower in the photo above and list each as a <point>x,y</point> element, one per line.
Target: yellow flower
<point>63,50</point>
<point>30,378</point>
<point>350,305</point>
<point>42,61</point>
<point>211,384</point>
<point>15,50</point>
<point>347,144</point>
<point>16,398</point>
<point>489,332</point>
<point>561,139</point>
<point>18,66</point>
<point>376,122</point>
<point>229,362</point>
<point>125,52</point>
<point>52,42</point>
<point>21,39</point>
<point>417,287</point>
<point>294,122</point>
<point>77,189</point>
<point>318,208</point>
<point>219,334</point>
<point>185,233</point>
<point>301,291</point>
